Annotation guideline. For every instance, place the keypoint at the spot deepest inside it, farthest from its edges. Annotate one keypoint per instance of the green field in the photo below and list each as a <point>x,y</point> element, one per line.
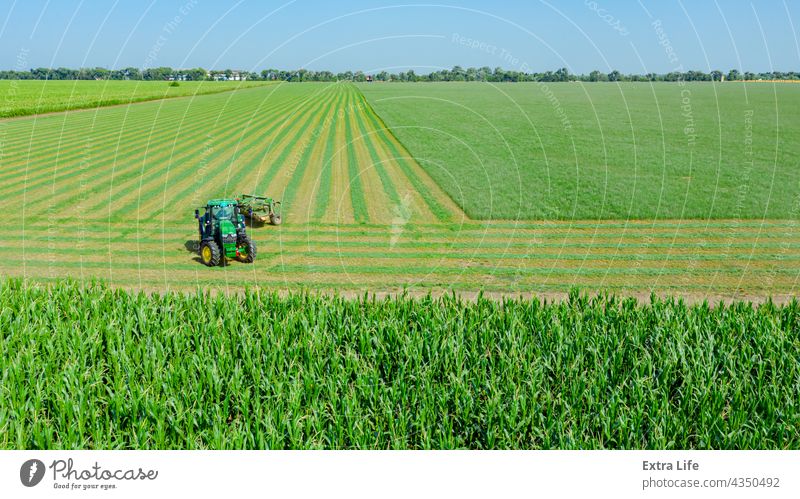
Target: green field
<point>575,151</point>
<point>95,368</point>
<point>26,97</point>
<point>110,195</point>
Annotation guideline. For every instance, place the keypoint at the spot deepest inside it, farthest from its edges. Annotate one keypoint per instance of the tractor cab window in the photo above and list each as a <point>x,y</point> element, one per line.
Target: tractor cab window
<point>222,212</point>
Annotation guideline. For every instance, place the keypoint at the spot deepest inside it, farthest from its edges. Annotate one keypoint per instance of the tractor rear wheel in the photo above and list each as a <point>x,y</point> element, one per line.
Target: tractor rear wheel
<point>248,247</point>
<point>210,254</point>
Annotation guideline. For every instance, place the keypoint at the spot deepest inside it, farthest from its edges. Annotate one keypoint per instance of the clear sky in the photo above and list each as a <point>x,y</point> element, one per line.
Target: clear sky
<point>627,35</point>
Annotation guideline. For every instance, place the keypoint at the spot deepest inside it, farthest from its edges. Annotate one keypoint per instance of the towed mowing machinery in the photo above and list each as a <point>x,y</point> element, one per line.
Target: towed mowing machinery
<point>223,234</point>
<point>261,209</point>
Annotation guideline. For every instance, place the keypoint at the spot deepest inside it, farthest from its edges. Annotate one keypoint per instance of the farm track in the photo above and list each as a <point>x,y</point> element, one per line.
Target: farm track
<point>112,198</point>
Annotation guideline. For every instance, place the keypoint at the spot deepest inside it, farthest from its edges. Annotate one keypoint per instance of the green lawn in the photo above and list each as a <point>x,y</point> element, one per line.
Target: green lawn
<point>26,97</point>
<point>588,151</point>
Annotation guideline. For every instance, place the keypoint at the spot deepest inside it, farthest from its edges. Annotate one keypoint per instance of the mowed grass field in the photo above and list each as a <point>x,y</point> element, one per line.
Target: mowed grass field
<point>88,367</point>
<point>628,151</point>
<point>26,97</point>
<point>109,194</point>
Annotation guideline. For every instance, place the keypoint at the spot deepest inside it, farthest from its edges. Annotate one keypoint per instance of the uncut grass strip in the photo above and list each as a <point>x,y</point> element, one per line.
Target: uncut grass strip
<point>164,120</point>
<point>262,181</point>
<point>441,213</point>
<point>309,107</point>
<point>234,135</point>
<point>293,185</point>
<point>355,186</point>
<point>86,106</point>
<point>109,157</point>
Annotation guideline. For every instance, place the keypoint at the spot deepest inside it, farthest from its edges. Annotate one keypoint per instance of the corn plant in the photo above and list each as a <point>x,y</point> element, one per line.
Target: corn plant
<point>86,367</point>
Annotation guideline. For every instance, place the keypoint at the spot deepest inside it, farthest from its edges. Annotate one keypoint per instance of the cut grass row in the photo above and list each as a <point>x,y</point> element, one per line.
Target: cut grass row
<point>150,156</point>
<point>361,212</point>
<point>520,279</point>
<point>154,164</point>
<point>88,367</point>
<point>137,144</point>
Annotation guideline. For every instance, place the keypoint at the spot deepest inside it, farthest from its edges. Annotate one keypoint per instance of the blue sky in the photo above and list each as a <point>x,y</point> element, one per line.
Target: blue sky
<point>628,35</point>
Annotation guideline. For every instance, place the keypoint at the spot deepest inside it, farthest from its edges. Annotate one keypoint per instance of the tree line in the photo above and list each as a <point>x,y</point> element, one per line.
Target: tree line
<point>457,73</point>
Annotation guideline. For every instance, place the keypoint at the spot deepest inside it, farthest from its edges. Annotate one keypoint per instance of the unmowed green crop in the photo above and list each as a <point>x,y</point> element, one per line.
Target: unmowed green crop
<point>28,97</point>
<point>85,366</point>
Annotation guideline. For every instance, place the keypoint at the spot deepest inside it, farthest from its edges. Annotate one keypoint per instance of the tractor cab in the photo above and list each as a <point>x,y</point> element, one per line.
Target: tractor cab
<point>223,233</point>
<point>223,211</point>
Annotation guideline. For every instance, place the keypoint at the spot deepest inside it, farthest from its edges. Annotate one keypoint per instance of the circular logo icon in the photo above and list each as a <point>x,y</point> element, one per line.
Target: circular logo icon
<point>31,472</point>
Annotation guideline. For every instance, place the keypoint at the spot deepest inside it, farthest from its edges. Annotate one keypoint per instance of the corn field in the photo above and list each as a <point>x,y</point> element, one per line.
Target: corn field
<point>86,366</point>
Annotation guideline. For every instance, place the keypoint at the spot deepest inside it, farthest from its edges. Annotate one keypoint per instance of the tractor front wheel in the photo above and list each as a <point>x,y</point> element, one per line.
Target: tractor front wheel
<point>275,219</point>
<point>210,254</point>
<point>247,250</point>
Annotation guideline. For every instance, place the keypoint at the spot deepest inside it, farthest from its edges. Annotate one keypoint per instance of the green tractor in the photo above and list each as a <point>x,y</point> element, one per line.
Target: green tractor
<point>222,233</point>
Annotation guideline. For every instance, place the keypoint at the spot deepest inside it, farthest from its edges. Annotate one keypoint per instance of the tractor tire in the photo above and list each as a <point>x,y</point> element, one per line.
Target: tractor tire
<point>210,254</point>
<point>250,247</point>
<point>275,219</point>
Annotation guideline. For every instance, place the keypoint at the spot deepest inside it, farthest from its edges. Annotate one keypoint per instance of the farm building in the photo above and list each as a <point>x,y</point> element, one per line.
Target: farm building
<point>228,75</point>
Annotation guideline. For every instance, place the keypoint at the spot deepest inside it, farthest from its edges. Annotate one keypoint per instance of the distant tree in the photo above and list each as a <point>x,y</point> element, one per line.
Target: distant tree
<point>196,74</point>
<point>161,73</point>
